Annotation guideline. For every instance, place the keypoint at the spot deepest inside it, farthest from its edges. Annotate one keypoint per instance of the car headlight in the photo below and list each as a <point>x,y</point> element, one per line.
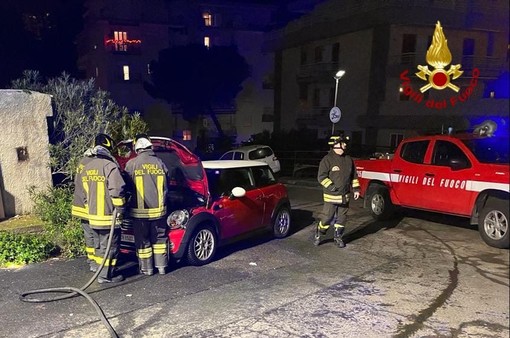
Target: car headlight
<point>178,219</point>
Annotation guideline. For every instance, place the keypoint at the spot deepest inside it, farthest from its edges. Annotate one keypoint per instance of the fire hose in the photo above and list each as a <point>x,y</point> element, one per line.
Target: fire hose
<point>71,291</point>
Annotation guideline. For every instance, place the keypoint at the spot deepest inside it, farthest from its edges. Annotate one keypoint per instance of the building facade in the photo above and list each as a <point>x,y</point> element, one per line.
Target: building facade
<point>380,45</point>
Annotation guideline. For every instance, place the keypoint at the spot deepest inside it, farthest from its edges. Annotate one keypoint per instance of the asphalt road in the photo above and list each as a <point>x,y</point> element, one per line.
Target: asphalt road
<point>420,275</point>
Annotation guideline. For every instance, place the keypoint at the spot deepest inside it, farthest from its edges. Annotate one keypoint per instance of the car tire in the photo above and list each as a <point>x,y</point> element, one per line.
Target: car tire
<point>281,222</point>
<point>380,204</point>
<point>202,245</point>
<point>493,224</point>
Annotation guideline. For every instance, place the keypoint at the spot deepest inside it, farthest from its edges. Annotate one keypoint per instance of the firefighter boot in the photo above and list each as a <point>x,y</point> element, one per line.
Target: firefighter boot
<point>318,233</point>
<point>338,237</point>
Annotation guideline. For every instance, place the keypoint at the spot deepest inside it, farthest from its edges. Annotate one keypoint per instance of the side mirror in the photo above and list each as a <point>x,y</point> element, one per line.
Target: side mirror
<point>458,164</point>
<point>237,192</point>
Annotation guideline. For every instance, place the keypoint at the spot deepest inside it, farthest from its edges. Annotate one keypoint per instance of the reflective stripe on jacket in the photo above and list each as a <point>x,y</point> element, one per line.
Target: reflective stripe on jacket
<point>338,172</point>
<point>149,176</point>
<point>79,206</point>
<point>105,188</point>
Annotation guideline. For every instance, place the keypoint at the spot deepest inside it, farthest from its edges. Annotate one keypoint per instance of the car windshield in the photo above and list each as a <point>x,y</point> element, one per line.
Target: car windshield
<point>489,149</point>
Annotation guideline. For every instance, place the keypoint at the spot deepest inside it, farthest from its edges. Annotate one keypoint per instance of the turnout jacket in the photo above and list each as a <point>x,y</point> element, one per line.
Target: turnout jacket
<point>105,188</point>
<point>337,174</point>
<point>149,176</point>
<point>79,207</point>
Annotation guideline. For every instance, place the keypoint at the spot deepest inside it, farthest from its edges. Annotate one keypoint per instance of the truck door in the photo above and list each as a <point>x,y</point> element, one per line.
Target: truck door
<point>447,189</point>
<point>407,172</point>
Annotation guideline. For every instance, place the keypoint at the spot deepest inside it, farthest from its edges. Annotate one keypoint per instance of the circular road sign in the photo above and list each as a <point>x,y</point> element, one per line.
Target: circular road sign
<point>335,114</point>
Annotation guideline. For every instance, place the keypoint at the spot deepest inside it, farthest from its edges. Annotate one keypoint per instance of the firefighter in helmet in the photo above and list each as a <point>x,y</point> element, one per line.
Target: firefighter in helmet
<point>337,176</point>
<point>149,176</point>
<point>105,191</point>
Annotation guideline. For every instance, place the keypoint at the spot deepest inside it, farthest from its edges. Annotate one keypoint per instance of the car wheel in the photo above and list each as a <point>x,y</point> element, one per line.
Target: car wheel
<point>202,245</point>
<point>380,204</point>
<point>493,224</point>
<point>281,223</point>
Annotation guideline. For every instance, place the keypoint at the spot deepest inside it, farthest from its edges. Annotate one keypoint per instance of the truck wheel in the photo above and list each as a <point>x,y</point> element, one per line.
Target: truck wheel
<point>202,245</point>
<point>493,224</point>
<point>380,204</point>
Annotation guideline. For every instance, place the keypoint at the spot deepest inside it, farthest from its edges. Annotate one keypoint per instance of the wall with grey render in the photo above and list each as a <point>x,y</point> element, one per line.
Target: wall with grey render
<point>24,150</point>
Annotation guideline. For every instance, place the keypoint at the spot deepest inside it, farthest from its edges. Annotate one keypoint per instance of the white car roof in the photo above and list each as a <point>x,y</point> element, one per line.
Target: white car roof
<point>250,147</point>
<point>230,164</point>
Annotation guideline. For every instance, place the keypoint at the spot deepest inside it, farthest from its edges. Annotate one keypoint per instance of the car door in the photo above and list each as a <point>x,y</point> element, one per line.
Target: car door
<point>271,191</point>
<point>446,191</point>
<point>238,215</point>
<point>407,173</point>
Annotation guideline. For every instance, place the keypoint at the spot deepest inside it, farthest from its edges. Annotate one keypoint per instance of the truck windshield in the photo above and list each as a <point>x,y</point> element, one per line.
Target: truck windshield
<point>489,149</point>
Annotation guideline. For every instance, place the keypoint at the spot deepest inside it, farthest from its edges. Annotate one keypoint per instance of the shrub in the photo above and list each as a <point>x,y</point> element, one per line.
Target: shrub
<point>24,248</point>
<point>53,206</point>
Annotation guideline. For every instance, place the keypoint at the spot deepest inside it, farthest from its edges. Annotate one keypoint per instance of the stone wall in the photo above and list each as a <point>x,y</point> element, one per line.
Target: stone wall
<point>24,150</point>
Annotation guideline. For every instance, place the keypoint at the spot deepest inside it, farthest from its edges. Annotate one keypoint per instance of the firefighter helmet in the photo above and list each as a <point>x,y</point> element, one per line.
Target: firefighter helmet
<point>104,141</point>
<point>337,139</point>
<point>142,141</point>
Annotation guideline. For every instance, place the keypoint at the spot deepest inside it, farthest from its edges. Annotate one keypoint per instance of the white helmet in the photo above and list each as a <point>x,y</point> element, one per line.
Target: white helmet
<point>142,143</point>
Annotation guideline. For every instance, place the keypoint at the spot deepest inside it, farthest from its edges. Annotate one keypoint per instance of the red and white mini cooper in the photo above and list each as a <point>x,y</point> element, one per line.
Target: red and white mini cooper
<point>215,202</point>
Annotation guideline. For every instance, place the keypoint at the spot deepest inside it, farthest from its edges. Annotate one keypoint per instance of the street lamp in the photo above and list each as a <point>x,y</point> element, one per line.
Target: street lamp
<point>337,77</point>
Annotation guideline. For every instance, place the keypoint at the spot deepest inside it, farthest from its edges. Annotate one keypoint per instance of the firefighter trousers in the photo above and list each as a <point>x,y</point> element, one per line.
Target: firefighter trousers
<point>110,267</point>
<point>333,214</point>
<point>151,241</point>
<point>91,243</point>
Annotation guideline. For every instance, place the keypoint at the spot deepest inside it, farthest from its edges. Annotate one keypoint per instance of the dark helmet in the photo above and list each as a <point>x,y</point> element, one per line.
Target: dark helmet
<point>105,141</point>
<point>336,139</point>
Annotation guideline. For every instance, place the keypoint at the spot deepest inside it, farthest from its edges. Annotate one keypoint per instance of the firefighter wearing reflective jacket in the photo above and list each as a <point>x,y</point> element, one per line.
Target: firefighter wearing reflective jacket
<point>148,207</point>
<point>80,210</point>
<point>105,191</point>
<point>337,174</point>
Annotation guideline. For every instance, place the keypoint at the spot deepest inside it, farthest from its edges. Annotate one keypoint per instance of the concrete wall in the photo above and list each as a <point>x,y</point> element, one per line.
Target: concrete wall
<point>24,152</point>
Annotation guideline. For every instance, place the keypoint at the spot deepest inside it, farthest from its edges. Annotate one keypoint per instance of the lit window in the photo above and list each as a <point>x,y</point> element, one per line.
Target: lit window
<point>207,19</point>
<point>97,71</point>
<point>120,41</point>
<point>125,70</point>
<point>207,41</point>
<point>186,135</point>
<point>149,69</point>
<point>492,94</point>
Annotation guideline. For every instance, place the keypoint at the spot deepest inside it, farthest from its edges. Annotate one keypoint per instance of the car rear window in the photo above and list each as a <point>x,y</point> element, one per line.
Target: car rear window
<point>260,153</point>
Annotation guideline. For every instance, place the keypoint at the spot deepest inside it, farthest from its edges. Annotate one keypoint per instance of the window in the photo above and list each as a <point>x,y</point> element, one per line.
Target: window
<point>316,97</point>
<point>303,91</point>
<point>318,53</point>
<point>414,152</point>
<point>335,52</point>
<point>22,154</point>
<point>468,47</point>
<point>444,151</point>
<point>120,41</point>
<point>303,57</point>
<point>238,155</point>
<point>263,176</point>
<point>207,19</point>
<point>186,135</point>
<point>260,153</point>
<point>207,41</point>
<point>125,71</point>
<point>395,140</point>
<point>408,48</point>
<point>149,69</point>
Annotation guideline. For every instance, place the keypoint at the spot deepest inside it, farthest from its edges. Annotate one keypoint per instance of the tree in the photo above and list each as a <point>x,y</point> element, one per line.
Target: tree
<point>197,78</point>
<point>81,112</point>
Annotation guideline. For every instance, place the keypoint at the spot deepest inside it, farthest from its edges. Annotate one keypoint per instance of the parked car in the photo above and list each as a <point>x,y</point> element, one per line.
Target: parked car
<point>239,198</point>
<point>254,152</point>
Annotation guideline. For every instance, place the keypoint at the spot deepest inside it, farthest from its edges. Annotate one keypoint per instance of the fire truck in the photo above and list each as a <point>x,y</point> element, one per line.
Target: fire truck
<point>465,174</point>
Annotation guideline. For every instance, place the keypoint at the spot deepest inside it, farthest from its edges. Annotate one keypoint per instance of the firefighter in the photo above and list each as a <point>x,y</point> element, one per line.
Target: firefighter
<point>105,191</point>
<point>148,207</point>
<point>337,174</point>
<point>79,210</point>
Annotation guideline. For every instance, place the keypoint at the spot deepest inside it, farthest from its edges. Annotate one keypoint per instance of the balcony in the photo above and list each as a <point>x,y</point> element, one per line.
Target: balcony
<point>323,71</point>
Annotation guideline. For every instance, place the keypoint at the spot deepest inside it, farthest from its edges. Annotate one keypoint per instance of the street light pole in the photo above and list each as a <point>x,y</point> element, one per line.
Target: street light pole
<point>337,77</point>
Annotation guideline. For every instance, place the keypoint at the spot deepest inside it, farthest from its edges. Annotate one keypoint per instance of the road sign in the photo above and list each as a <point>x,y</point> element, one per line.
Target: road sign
<point>335,114</point>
